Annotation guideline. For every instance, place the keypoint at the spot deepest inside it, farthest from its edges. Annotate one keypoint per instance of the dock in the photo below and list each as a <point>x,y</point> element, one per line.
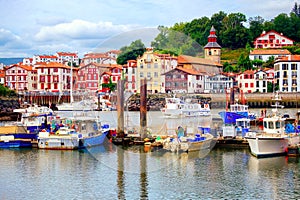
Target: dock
<point>232,143</point>
<point>293,151</point>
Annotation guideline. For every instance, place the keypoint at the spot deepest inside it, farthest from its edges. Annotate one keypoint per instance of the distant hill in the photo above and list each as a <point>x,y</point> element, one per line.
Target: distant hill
<point>10,61</point>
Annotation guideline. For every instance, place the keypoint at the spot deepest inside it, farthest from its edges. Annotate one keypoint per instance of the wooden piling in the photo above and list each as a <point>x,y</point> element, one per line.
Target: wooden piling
<point>143,108</point>
<point>120,108</point>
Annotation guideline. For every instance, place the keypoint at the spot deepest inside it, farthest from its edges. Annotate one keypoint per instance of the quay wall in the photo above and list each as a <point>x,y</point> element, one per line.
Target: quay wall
<point>157,101</point>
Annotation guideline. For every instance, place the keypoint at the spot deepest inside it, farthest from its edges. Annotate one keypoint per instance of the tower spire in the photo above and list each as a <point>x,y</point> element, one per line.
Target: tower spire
<point>212,49</point>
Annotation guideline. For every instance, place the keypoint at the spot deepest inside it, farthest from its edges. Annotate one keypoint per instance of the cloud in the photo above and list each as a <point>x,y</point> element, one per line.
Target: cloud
<point>6,37</point>
<point>80,29</point>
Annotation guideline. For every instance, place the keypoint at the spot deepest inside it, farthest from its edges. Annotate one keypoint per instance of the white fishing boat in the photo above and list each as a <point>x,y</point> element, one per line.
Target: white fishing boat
<point>64,139</point>
<point>83,105</point>
<point>175,107</point>
<point>188,141</point>
<point>275,137</point>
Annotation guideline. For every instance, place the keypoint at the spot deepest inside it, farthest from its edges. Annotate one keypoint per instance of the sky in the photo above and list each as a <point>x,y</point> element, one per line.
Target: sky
<point>37,27</point>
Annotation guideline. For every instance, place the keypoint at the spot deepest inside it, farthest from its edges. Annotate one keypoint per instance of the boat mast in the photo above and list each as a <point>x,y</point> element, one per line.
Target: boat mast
<point>71,86</point>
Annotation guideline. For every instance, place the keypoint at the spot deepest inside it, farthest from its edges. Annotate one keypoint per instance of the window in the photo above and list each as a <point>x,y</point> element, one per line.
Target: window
<point>155,74</point>
<point>141,74</point>
<point>155,65</point>
<point>294,67</point>
<point>284,67</point>
<point>42,79</point>
<point>148,65</point>
<point>149,75</point>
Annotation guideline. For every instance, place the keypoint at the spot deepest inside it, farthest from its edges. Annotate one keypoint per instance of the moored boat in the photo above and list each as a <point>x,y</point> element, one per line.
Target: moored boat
<point>15,136</point>
<point>74,133</point>
<point>188,141</point>
<point>275,137</point>
<point>175,107</point>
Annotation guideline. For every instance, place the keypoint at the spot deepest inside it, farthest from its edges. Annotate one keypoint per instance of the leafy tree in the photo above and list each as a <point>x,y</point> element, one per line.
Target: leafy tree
<point>269,63</point>
<point>136,48</point>
<point>5,91</point>
<point>175,41</point>
<point>244,62</point>
<point>256,27</point>
<point>296,9</point>
<point>257,62</point>
<point>216,20</point>
<point>110,85</point>
<point>234,34</point>
<point>229,68</point>
<point>295,27</point>
<point>161,39</point>
<point>270,87</point>
<point>282,24</point>
<point>198,30</point>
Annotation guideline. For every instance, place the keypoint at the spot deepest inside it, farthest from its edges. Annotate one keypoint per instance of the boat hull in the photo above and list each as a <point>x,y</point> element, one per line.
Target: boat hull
<point>268,146</point>
<point>95,140</point>
<point>58,143</point>
<point>197,146</point>
<point>15,143</point>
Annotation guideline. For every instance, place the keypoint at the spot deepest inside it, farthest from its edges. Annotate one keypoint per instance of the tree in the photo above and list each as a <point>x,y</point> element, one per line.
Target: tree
<point>216,20</point>
<point>257,62</point>
<point>198,30</point>
<point>175,41</point>
<point>244,63</point>
<point>136,48</point>
<point>111,86</point>
<point>282,24</point>
<point>269,63</point>
<point>296,9</point>
<point>256,27</point>
<point>229,68</point>
<point>234,34</point>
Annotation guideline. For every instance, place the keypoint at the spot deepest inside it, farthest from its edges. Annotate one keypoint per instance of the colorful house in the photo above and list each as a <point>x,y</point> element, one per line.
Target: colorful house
<point>16,77</point>
<point>53,77</point>
<point>272,39</point>
<point>182,80</point>
<point>246,81</point>
<point>287,73</point>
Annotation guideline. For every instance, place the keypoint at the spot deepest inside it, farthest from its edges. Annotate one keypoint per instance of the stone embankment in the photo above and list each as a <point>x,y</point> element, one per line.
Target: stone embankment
<point>6,109</point>
<point>254,100</point>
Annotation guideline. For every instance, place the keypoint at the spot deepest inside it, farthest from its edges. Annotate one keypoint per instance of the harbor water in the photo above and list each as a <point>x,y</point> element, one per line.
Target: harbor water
<point>114,172</point>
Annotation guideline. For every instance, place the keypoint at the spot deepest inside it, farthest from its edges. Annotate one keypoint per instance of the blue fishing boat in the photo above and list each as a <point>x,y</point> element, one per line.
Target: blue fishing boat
<point>237,111</point>
<point>73,133</point>
<point>24,133</point>
<point>36,118</point>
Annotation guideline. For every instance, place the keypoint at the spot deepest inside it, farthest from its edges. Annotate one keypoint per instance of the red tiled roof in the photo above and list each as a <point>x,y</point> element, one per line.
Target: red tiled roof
<point>53,65</point>
<point>289,58</point>
<point>195,60</point>
<point>270,52</point>
<point>46,56</point>
<point>272,31</point>
<point>67,54</point>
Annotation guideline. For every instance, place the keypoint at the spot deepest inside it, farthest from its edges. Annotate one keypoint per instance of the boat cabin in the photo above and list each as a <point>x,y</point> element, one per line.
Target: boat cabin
<point>238,108</point>
<point>274,125</point>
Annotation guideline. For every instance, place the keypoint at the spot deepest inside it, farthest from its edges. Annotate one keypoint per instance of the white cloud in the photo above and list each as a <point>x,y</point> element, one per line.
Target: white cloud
<point>80,29</point>
<point>6,36</point>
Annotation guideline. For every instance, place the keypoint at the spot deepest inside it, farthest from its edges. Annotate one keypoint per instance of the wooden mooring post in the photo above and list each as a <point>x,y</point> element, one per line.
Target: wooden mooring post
<point>120,108</point>
<point>143,108</point>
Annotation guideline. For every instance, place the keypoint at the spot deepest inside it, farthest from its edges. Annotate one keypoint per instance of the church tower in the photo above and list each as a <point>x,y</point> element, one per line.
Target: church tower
<point>212,50</point>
